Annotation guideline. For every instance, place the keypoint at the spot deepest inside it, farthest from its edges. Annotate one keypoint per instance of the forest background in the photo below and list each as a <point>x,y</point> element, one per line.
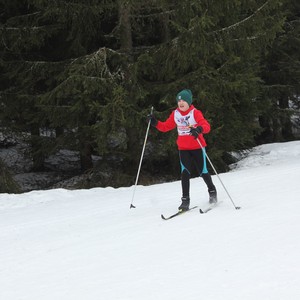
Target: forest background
<point>82,76</point>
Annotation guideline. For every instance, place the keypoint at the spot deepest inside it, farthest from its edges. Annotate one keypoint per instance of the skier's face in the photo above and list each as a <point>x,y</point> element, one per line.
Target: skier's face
<point>182,105</point>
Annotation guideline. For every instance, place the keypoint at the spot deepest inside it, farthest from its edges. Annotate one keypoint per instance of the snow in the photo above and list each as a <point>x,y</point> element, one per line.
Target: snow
<point>87,244</point>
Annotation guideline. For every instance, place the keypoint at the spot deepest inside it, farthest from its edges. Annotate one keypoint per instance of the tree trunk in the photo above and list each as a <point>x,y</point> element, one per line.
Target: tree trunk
<point>86,161</point>
<point>7,183</point>
<point>285,118</point>
<point>38,157</point>
<point>165,27</point>
<point>125,26</point>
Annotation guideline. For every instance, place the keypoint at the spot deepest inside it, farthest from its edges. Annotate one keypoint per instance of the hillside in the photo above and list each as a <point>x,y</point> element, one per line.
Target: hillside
<point>88,244</point>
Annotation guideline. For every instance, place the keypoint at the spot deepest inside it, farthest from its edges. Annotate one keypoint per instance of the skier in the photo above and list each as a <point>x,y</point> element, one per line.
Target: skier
<point>191,125</point>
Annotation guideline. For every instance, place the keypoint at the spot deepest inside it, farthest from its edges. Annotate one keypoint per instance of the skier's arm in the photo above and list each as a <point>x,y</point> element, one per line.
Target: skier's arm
<point>168,125</point>
<point>201,121</point>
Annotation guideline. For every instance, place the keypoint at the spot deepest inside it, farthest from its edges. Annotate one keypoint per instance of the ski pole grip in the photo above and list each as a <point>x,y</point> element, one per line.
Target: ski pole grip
<point>151,111</point>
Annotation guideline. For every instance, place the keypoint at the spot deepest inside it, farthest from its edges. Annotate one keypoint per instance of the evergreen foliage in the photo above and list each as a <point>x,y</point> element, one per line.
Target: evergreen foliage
<point>87,73</point>
<point>215,49</point>
<point>280,72</point>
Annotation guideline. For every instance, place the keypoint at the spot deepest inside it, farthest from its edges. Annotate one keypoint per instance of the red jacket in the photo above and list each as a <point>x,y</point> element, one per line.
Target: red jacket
<point>183,121</point>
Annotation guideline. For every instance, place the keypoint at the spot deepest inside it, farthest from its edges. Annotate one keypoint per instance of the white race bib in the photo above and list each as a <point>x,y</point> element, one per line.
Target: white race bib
<point>184,122</point>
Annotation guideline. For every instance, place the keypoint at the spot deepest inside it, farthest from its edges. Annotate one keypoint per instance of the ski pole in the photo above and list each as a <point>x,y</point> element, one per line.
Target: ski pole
<point>141,159</point>
<point>236,207</point>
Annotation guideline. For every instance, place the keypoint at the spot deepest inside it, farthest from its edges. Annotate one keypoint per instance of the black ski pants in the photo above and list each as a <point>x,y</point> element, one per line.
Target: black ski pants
<point>189,159</point>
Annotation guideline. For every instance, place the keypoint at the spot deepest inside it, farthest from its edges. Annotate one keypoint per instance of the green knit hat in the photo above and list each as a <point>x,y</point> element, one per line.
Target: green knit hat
<point>185,95</point>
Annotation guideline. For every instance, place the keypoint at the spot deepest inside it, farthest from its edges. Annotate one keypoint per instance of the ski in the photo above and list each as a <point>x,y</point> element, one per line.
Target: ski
<point>180,212</point>
<point>208,208</point>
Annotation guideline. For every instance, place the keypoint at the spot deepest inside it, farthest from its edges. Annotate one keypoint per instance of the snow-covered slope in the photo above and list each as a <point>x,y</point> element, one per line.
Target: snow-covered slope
<point>88,244</point>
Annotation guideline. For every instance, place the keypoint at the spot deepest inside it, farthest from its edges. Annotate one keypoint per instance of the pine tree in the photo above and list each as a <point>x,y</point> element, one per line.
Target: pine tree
<point>280,72</point>
<point>215,49</point>
<point>89,71</point>
<point>57,70</point>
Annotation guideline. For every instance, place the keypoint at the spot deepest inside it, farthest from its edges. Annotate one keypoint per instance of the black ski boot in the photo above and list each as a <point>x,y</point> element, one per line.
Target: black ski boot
<point>185,205</point>
<point>212,196</point>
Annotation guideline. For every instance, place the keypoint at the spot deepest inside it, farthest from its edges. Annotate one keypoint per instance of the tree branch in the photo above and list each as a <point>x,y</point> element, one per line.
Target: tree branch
<point>242,21</point>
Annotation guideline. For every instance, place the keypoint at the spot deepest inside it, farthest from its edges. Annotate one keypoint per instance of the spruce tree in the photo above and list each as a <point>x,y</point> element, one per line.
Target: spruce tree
<point>57,71</point>
<point>214,49</point>
<point>89,71</point>
<point>280,72</point>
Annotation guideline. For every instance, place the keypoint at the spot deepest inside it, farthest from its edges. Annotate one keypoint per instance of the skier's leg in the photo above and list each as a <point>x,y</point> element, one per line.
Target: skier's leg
<point>200,159</point>
<point>185,163</point>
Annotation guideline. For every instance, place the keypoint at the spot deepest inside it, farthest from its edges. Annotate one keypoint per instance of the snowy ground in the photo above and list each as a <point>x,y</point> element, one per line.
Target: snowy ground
<point>88,244</point>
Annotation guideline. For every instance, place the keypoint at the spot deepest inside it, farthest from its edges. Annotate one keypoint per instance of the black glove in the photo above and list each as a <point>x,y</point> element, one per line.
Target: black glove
<point>195,131</point>
<point>152,120</point>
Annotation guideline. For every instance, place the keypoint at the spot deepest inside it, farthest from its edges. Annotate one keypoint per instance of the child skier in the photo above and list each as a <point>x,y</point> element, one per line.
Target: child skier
<point>191,125</point>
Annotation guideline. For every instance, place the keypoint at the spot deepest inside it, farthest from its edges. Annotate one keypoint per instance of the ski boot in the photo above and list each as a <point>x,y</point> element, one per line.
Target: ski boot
<point>185,205</point>
<point>212,196</point>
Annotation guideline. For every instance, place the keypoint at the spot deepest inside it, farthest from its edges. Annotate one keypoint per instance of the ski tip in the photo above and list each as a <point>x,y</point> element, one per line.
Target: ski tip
<point>237,207</point>
<point>132,206</point>
<point>163,217</point>
<point>201,211</point>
